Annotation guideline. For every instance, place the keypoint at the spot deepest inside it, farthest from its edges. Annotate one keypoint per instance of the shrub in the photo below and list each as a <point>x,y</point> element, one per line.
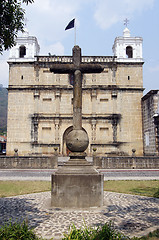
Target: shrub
<point>105,232</point>
<point>16,231</point>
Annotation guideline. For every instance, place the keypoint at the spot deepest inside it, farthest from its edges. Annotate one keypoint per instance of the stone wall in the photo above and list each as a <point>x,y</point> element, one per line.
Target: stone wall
<point>40,108</point>
<point>45,162</point>
<point>27,162</point>
<point>150,110</point>
<point>126,162</point>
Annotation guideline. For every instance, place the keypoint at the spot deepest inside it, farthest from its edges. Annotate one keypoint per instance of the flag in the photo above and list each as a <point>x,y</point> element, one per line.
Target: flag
<point>71,24</point>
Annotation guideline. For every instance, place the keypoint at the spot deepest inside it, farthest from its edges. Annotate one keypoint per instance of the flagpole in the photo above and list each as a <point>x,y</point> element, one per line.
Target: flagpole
<point>75,33</point>
<point>72,24</point>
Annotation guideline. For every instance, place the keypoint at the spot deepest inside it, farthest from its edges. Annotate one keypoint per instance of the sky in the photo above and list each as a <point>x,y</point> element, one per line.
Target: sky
<point>98,23</point>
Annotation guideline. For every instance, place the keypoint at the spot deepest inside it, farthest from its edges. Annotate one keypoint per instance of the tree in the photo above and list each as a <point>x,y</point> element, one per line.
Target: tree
<point>11,21</point>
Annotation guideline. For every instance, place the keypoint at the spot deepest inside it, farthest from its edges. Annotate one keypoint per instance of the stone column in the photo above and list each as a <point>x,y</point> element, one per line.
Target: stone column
<point>36,68</point>
<point>114,126</point>
<point>94,96</point>
<point>114,100</point>
<point>93,129</point>
<point>77,101</point>
<point>57,130</point>
<point>114,68</point>
<point>36,100</point>
<point>57,102</point>
<point>35,128</point>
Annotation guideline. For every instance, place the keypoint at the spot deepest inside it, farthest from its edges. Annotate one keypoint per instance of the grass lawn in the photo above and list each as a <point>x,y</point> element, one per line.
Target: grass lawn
<point>14,188</point>
<point>144,188</point>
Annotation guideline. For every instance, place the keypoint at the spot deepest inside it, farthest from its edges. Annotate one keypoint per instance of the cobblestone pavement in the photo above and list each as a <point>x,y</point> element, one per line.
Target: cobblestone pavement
<point>132,215</point>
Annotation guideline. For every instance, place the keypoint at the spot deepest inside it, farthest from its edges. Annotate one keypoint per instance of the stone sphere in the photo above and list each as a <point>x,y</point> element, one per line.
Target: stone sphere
<point>77,140</point>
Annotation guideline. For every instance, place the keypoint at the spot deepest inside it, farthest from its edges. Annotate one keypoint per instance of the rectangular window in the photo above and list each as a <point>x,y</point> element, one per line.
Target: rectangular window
<point>104,100</point>
<point>46,128</point>
<point>47,99</point>
<point>104,128</point>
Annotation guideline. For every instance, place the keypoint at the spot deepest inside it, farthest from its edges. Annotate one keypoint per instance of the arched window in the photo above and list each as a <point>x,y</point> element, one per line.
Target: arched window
<point>22,51</point>
<point>129,52</point>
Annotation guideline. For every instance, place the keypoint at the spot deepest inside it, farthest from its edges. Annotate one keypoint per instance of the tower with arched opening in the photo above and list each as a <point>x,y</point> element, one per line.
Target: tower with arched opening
<point>128,48</point>
<point>26,48</point>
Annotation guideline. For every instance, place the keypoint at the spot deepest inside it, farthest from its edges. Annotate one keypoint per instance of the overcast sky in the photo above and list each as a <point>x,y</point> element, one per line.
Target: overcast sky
<point>98,23</point>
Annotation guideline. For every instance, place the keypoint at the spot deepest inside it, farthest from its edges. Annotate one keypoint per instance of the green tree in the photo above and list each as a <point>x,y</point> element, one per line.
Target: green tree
<point>11,21</point>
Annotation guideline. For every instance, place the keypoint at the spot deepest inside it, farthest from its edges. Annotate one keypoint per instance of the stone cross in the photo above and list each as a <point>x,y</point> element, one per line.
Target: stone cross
<point>77,140</point>
<point>126,22</point>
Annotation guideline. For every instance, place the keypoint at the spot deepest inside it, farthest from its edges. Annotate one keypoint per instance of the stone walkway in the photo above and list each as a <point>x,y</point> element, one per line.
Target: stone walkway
<point>132,215</point>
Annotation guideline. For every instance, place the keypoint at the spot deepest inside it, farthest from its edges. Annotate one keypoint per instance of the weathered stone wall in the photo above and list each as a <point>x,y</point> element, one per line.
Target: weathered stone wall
<point>98,161</point>
<point>40,108</point>
<point>28,162</point>
<point>150,108</point>
<point>20,109</point>
<point>126,162</point>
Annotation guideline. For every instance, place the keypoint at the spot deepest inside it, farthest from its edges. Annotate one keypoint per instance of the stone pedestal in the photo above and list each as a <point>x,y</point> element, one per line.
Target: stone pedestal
<point>77,184</point>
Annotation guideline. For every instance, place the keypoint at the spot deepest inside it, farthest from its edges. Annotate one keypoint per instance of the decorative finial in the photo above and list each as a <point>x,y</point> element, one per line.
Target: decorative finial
<point>126,22</point>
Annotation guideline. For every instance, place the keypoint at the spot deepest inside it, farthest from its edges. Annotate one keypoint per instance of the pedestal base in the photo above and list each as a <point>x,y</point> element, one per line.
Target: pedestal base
<point>77,185</point>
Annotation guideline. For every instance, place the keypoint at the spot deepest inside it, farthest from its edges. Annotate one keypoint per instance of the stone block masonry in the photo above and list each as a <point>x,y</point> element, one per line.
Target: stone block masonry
<point>28,162</point>
<point>40,102</point>
<point>126,162</point>
<point>77,191</point>
<point>98,161</point>
<point>40,114</point>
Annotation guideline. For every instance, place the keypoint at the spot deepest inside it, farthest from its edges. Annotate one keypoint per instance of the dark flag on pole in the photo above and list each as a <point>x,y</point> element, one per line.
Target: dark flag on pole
<point>71,24</point>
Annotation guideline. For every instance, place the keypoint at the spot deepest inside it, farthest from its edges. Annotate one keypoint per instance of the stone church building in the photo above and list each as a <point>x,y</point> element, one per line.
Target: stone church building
<point>40,103</point>
<point>150,108</point>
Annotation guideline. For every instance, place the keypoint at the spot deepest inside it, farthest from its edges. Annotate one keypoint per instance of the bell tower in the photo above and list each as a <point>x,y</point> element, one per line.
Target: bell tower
<point>26,48</point>
<point>127,48</point>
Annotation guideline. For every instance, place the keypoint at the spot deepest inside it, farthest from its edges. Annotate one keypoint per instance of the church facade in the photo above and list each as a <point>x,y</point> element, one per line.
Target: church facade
<point>40,103</point>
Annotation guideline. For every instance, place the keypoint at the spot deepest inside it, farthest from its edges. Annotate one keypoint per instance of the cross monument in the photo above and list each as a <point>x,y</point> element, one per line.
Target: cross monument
<point>77,140</point>
<point>77,184</point>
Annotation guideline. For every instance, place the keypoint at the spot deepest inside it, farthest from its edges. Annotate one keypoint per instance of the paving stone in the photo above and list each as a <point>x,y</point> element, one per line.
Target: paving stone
<point>129,213</point>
